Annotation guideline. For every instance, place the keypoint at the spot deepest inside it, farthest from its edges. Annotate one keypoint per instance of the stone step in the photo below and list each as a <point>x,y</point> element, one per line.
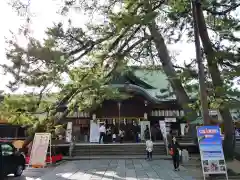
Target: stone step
<point>114,154</point>
<point>143,156</point>
<point>116,149</point>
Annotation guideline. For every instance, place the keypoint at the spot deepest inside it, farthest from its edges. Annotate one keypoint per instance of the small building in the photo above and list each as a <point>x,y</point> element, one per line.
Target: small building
<point>11,132</point>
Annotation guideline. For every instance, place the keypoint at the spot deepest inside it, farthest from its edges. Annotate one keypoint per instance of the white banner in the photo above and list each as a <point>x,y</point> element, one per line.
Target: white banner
<point>163,128</point>
<point>39,149</point>
<point>162,125</point>
<point>69,132</point>
<point>143,128</point>
<point>94,132</point>
<point>182,126</point>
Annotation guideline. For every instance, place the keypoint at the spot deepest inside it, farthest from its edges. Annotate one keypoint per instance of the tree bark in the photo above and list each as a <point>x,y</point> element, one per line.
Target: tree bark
<point>217,81</point>
<point>168,68</point>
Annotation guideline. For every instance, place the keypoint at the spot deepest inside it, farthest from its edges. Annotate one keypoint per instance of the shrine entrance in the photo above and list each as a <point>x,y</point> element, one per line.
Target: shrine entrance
<point>130,127</point>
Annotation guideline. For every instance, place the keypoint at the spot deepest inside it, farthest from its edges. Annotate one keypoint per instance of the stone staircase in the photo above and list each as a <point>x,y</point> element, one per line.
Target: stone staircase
<point>130,149</point>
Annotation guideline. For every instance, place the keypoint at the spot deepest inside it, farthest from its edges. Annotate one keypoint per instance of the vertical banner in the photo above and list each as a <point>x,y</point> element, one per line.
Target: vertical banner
<point>94,131</point>
<point>162,125</point>
<point>69,132</point>
<point>39,150</point>
<point>211,151</point>
<point>143,128</point>
<point>182,126</point>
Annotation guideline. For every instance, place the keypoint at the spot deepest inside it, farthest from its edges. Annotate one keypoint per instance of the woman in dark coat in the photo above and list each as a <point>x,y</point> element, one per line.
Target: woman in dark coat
<point>174,149</point>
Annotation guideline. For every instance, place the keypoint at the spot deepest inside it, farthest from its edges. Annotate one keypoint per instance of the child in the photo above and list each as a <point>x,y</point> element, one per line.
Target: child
<point>149,149</point>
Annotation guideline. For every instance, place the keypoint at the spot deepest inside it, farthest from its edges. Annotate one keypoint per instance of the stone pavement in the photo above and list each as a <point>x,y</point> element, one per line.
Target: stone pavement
<point>31,174</point>
<point>131,169</point>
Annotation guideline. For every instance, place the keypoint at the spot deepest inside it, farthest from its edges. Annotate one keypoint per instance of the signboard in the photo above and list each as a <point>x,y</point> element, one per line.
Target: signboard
<point>170,120</point>
<point>69,132</point>
<point>39,149</point>
<point>211,151</point>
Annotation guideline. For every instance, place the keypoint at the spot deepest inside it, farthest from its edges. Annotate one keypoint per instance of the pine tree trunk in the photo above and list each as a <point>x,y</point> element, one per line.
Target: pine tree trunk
<point>217,83</point>
<point>168,68</point>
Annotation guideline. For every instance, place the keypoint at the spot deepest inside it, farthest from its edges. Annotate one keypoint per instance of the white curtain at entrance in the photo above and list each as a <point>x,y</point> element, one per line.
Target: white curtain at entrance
<point>143,128</point>
<point>69,132</point>
<point>162,125</point>
<point>94,131</point>
<point>182,126</point>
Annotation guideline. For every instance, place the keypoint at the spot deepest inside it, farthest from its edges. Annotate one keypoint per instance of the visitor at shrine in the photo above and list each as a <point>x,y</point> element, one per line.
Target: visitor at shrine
<point>146,133</point>
<point>175,152</point>
<point>121,135</point>
<point>186,129</point>
<point>102,131</point>
<point>154,132</point>
<point>136,131</point>
<point>149,149</point>
<point>109,135</point>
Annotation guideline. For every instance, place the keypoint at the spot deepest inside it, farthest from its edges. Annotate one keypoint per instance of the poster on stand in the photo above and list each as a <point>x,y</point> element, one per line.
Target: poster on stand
<point>94,131</point>
<point>143,128</point>
<point>211,151</point>
<point>39,149</point>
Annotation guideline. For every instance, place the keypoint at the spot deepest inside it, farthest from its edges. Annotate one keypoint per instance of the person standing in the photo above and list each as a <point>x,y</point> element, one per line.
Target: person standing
<point>174,151</point>
<point>146,133</point>
<point>121,135</point>
<point>109,134</point>
<point>135,130</point>
<point>149,149</point>
<point>154,132</point>
<point>102,131</point>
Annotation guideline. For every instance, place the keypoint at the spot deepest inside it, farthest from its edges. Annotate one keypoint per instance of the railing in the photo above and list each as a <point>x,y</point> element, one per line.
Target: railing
<point>8,139</point>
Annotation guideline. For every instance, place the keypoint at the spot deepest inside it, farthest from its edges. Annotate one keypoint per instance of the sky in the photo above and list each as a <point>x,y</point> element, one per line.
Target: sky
<point>43,17</point>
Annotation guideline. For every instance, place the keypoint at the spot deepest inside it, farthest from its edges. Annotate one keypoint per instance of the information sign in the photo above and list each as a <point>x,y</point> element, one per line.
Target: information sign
<point>211,151</point>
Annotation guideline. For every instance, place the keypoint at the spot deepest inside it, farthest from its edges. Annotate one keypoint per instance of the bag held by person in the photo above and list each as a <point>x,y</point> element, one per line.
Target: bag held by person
<point>171,151</point>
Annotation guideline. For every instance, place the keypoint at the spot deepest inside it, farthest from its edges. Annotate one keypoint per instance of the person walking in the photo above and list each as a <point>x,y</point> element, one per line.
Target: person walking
<point>102,131</point>
<point>174,151</point>
<point>149,149</point>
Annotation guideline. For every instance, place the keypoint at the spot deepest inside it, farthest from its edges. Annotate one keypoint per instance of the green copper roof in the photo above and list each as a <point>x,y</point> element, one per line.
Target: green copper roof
<point>157,79</point>
<point>154,77</point>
